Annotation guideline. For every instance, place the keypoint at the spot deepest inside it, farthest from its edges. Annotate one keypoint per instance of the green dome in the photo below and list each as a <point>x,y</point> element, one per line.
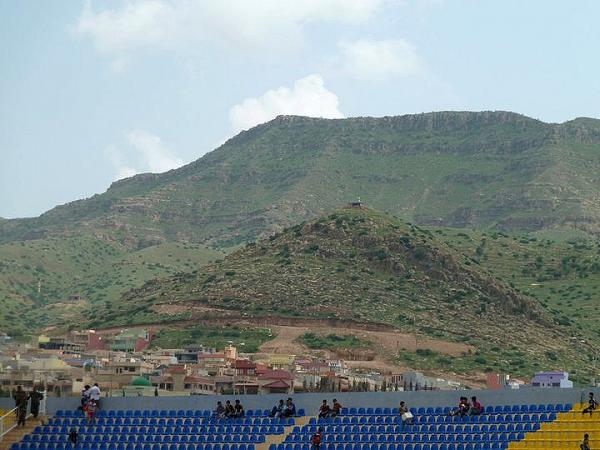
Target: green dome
<point>140,381</point>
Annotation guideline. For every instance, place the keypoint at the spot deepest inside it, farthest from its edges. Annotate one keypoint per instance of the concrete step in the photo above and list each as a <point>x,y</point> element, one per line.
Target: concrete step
<point>279,438</point>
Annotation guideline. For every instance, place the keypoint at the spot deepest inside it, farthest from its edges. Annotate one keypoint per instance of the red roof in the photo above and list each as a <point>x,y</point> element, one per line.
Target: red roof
<point>243,364</point>
<point>276,375</point>
<point>279,384</point>
<point>176,369</point>
<point>196,380</point>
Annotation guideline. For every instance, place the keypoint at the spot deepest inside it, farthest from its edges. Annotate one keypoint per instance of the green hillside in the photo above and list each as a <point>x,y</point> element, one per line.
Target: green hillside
<point>362,266</point>
<point>462,169</point>
<point>37,277</point>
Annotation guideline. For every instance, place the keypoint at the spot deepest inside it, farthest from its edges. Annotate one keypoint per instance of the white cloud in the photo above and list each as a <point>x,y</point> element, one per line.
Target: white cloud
<point>234,24</point>
<point>380,60</point>
<point>308,97</point>
<point>149,152</point>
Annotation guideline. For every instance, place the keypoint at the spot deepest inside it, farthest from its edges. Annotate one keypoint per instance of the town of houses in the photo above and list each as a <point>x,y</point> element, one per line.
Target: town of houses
<point>125,363</point>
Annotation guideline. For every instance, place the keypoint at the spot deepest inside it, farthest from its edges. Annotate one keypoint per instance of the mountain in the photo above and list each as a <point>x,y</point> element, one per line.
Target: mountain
<point>359,266</point>
<point>493,171</point>
<point>461,169</point>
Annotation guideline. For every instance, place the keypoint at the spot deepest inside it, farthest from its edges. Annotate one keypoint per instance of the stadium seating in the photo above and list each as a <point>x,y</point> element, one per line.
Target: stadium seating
<point>532,427</point>
<point>433,429</point>
<point>565,432</point>
<point>155,430</point>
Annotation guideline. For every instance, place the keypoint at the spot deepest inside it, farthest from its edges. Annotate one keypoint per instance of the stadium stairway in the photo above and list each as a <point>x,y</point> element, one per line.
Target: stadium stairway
<point>565,432</point>
<point>16,434</point>
<point>275,439</point>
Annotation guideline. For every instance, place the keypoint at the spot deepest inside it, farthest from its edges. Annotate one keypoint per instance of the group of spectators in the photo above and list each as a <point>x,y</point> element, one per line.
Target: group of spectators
<point>285,408</point>
<point>229,411</point>
<point>474,408</point>
<point>90,401</point>
<point>330,411</point>
<point>22,399</point>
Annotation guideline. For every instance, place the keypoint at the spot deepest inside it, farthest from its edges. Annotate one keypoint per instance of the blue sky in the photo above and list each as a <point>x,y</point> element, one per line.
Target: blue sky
<point>94,91</point>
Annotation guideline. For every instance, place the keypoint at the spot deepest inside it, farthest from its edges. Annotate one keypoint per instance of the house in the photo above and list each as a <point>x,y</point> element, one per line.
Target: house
<point>551,380</point>
<point>243,367</point>
<point>131,340</point>
<point>276,382</point>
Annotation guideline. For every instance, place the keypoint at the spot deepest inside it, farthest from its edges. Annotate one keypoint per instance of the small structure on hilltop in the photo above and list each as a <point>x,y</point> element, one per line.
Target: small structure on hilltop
<point>355,204</point>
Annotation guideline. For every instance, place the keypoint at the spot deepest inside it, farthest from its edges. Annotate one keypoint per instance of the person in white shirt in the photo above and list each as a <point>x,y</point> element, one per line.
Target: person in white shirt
<point>94,394</point>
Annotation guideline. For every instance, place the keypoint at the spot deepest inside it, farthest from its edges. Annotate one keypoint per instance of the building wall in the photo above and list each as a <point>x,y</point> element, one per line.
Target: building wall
<point>311,401</point>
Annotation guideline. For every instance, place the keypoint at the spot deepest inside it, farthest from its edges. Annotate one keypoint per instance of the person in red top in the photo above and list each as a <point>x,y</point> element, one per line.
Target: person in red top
<point>476,407</point>
<point>315,440</point>
<point>324,409</point>
<point>336,408</point>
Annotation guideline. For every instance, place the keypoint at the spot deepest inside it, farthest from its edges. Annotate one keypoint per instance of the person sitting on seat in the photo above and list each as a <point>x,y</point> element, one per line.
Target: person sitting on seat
<point>592,404</point>
<point>324,410</point>
<point>315,440</point>
<point>476,408</point>
<point>73,436</point>
<point>462,409</point>
<point>239,409</point>
<point>336,408</point>
<point>289,409</point>
<point>229,409</point>
<point>405,414</point>
<point>219,412</point>
<point>277,410</point>
<point>585,444</point>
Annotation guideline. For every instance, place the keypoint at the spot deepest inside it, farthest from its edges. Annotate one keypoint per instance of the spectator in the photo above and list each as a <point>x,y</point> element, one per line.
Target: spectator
<point>585,444</point>
<point>476,408</point>
<point>277,410</point>
<point>94,393</point>
<point>315,440</point>
<point>229,409</point>
<point>219,412</point>
<point>156,391</point>
<point>336,408</point>
<point>73,436</point>
<point>324,410</point>
<point>406,416</point>
<point>36,398</point>
<point>239,409</point>
<point>90,410</point>
<point>21,400</point>
<point>592,404</point>
<point>289,409</point>
<point>462,409</point>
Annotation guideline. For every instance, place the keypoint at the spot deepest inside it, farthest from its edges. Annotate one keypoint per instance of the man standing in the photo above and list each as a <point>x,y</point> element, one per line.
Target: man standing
<point>95,394</point>
<point>36,397</point>
<point>21,399</point>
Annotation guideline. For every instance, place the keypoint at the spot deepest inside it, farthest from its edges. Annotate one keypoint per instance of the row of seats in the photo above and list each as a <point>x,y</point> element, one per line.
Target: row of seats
<point>194,439</point>
<point>478,446</point>
<point>412,429</point>
<point>173,422</point>
<point>445,410</point>
<point>93,446</point>
<point>204,429</point>
<point>165,413</point>
<point>390,438</point>
<point>497,418</point>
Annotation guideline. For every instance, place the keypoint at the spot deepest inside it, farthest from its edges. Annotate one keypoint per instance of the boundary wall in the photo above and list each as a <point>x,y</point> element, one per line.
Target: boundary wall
<point>311,401</point>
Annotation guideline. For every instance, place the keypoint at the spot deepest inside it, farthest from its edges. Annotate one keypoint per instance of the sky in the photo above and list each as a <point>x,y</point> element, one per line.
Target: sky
<point>95,91</point>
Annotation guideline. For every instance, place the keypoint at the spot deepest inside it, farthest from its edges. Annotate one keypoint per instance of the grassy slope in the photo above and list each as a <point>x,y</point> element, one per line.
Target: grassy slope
<point>370,267</point>
<point>97,270</point>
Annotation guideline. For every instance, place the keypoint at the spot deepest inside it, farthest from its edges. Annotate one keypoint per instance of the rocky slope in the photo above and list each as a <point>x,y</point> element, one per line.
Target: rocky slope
<point>359,266</point>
